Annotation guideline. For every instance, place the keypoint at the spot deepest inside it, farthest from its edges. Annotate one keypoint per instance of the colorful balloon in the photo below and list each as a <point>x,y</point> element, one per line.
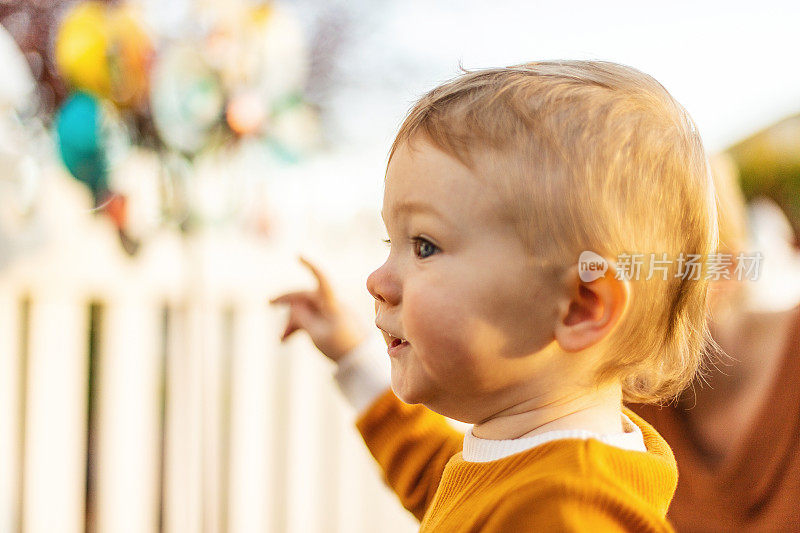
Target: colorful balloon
<point>103,50</point>
<point>261,49</point>
<point>246,113</point>
<point>17,86</point>
<point>185,98</point>
<point>81,143</point>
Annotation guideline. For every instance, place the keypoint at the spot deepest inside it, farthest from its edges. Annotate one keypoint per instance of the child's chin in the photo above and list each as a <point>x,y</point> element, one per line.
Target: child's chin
<point>405,391</point>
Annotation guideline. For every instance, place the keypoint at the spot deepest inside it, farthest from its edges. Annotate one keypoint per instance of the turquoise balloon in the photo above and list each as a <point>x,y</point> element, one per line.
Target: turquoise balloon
<point>81,142</point>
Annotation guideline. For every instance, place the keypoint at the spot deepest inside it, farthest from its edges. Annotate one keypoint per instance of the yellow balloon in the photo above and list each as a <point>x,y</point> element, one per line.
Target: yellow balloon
<point>104,50</point>
<point>82,48</point>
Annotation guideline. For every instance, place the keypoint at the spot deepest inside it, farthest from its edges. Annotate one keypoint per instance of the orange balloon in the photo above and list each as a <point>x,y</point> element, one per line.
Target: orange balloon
<point>246,114</point>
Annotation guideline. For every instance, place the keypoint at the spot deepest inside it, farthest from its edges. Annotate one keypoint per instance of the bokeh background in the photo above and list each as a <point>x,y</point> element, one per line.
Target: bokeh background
<point>162,164</point>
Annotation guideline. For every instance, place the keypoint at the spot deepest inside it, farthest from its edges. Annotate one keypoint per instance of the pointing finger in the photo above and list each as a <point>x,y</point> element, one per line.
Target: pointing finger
<point>324,286</point>
<point>290,328</point>
<point>292,297</point>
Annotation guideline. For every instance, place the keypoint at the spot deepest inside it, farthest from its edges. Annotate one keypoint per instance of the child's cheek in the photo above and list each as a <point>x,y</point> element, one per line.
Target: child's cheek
<point>434,324</point>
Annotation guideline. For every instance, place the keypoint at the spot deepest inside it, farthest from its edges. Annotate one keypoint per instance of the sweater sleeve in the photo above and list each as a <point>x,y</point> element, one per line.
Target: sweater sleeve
<point>362,374</point>
<point>412,445</point>
<point>556,508</point>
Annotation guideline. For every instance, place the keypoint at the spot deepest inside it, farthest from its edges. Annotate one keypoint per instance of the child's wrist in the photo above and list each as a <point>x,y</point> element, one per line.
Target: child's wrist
<point>354,352</point>
<point>346,346</point>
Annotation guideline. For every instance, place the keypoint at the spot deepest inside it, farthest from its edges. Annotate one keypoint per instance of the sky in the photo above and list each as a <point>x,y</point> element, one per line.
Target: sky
<point>734,66</point>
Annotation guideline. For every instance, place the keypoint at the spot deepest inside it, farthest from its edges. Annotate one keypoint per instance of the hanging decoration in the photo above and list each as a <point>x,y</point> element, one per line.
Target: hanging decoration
<point>21,137</point>
<point>224,91</point>
<point>103,50</point>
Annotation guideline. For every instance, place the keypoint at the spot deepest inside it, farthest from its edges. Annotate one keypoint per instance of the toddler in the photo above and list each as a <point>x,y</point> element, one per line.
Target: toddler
<point>539,219</point>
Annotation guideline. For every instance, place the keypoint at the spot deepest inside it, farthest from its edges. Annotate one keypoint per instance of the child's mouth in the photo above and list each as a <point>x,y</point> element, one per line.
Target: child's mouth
<point>396,345</point>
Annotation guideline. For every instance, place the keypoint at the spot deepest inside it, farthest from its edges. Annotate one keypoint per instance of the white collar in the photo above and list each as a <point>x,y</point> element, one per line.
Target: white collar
<point>478,450</point>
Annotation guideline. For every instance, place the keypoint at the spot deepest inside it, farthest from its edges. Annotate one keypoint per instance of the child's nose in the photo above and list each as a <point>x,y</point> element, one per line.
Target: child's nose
<point>383,287</point>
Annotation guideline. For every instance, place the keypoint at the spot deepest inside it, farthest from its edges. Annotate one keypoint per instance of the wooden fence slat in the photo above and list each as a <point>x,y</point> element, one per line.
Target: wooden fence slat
<point>55,458</point>
<point>128,427</point>
<point>10,419</point>
<point>251,503</point>
<point>182,479</point>
<point>212,371</point>
<point>308,440</point>
<point>278,422</point>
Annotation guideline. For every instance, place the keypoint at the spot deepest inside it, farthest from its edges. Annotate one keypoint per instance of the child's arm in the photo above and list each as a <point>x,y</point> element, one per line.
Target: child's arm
<point>411,443</point>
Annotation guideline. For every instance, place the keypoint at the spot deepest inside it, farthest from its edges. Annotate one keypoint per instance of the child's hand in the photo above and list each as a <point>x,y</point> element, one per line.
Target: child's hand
<point>332,327</point>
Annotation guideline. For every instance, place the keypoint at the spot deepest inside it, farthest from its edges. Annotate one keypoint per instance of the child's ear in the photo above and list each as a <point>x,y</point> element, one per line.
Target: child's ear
<point>589,310</point>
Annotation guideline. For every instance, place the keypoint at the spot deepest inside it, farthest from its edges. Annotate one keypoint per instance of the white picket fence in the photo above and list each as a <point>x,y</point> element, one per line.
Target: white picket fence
<point>196,418</point>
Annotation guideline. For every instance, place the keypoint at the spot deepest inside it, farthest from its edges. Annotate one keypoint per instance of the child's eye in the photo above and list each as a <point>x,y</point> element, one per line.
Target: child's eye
<point>423,247</point>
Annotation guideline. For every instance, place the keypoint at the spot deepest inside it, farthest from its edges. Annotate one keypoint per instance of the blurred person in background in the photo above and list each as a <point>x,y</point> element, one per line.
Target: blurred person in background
<point>736,432</point>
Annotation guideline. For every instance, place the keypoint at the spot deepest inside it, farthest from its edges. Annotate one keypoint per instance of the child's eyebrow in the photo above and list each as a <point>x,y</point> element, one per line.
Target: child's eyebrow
<point>411,206</point>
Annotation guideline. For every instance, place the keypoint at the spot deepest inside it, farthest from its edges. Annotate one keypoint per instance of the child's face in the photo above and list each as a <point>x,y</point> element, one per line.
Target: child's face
<point>458,286</point>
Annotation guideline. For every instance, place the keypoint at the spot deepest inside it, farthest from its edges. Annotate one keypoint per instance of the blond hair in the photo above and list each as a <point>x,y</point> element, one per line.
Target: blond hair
<point>593,156</point>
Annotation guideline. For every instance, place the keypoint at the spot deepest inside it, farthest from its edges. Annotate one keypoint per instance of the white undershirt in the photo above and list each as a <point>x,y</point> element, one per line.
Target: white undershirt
<point>364,373</point>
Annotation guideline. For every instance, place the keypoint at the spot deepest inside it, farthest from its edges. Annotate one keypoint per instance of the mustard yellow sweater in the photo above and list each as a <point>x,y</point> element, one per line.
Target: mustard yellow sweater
<point>562,485</point>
